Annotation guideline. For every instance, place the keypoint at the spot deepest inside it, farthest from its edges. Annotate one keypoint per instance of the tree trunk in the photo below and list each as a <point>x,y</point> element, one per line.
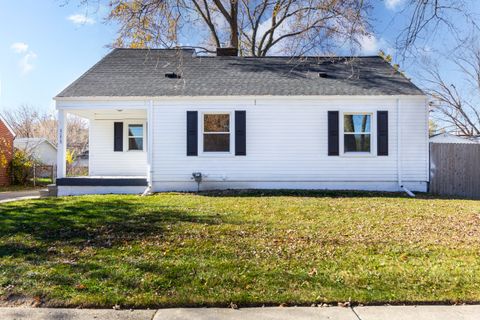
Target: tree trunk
<point>234,24</point>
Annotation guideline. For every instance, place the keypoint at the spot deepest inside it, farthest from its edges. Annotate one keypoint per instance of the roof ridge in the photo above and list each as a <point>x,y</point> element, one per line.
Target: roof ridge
<point>254,57</point>
<point>166,49</point>
<point>290,57</point>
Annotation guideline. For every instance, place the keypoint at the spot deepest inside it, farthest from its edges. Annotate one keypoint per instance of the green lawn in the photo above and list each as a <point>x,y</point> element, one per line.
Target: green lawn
<point>250,249</point>
<point>42,181</point>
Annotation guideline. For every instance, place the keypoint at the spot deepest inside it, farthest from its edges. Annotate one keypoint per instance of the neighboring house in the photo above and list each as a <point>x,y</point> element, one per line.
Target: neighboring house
<point>7,135</point>
<point>40,148</point>
<point>243,122</point>
<point>450,138</point>
<point>81,160</point>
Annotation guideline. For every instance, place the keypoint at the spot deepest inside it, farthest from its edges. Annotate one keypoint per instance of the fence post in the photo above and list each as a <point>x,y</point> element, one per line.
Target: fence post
<point>34,175</point>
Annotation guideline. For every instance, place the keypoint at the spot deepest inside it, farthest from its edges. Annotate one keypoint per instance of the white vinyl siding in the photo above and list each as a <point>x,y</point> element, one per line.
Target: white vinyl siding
<point>286,141</point>
<point>103,161</point>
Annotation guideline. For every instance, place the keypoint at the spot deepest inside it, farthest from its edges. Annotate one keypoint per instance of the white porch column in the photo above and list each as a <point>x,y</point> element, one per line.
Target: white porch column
<point>62,144</point>
<point>150,143</point>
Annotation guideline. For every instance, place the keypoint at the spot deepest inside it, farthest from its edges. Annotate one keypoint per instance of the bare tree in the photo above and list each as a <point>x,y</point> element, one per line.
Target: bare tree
<point>431,20</point>
<point>30,122</point>
<point>22,120</point>
<point>254,27</point>
<point>456,107</point>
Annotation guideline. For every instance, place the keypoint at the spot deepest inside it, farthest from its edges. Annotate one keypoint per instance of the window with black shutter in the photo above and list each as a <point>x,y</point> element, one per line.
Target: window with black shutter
<point>333,133</point>
<point>192,133</point>
<point>382,133</point>
<point>118,136</point>
<point>240,133</point>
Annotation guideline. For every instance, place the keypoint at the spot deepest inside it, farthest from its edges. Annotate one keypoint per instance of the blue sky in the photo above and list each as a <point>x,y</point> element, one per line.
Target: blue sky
<point>47,44</point>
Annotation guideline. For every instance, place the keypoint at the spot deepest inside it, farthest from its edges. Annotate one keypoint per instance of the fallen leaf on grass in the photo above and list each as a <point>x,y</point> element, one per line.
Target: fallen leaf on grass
<point>80,286</point>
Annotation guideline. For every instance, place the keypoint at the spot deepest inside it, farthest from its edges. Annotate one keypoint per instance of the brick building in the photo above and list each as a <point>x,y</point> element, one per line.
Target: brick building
<point>6,151</point>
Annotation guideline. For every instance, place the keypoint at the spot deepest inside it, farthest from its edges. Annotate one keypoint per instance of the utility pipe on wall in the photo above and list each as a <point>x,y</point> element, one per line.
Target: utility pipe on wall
<point>149,148</point>
<point>399,162</point>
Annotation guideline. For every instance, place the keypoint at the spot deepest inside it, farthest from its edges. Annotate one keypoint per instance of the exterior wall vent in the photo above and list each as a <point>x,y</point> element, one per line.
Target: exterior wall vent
<point>172,75</point>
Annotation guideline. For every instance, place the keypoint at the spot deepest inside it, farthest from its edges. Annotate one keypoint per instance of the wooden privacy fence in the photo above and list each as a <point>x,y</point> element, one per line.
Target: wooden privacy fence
<point>455,169</point>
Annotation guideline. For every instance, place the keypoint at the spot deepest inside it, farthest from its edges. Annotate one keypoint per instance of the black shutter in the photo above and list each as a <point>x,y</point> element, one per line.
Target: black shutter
<point>118,136</point>
<point>192,133</point>
<point>240,133</point>
<point>382,133</point>
<point>333,137</point>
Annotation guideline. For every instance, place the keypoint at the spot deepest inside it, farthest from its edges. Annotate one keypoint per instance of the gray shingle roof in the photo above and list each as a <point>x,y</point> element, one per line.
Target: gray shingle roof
<point>137,72</point>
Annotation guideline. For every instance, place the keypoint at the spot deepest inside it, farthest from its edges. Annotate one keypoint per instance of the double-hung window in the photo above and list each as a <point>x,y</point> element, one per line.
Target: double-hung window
<point>216,132</point>
<point>357,134</point>
<point>135,137</point>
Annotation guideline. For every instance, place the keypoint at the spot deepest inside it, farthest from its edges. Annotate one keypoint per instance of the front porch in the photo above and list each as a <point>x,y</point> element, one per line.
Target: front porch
<point>98,181</point>
<point>100,185</point>
<point>119,143</point>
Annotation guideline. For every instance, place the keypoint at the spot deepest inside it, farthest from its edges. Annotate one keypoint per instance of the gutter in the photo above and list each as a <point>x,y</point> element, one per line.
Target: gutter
<point>399,163</point>
<point>148,190</point>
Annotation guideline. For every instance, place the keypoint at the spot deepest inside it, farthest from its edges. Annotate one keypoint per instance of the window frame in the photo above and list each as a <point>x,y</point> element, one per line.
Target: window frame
<point>127,136</point>
<point>202,132</point>
<point>373,134</point>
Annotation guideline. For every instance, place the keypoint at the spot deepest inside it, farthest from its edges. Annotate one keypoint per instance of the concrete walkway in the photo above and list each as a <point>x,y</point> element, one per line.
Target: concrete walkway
<point>270,313</point>
<point>19,195</point>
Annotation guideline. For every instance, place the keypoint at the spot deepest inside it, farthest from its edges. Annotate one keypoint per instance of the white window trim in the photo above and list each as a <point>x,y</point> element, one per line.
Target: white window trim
<point>125,134</point>
<point>201,133</point>
<point>373,135</point>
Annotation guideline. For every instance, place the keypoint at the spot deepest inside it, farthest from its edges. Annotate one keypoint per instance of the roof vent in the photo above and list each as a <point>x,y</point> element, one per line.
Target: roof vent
<point>172,75</point>
<point>227,52</point>
<point>322,75</point>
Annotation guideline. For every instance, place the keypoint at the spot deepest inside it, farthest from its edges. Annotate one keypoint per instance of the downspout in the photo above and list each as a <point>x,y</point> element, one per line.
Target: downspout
<point>148,190</point>
<point>399,162</point>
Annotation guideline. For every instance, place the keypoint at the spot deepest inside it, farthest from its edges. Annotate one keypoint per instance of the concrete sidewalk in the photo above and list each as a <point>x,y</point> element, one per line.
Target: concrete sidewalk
<point>10,196</point>
<point>269,313</point>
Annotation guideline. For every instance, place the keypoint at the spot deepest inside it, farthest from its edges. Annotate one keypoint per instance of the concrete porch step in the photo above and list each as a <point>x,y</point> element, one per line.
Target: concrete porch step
<point>50,192</point>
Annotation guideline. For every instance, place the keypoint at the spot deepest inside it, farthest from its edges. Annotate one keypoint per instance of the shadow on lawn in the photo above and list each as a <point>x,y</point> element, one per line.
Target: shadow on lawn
<point>300,193</point>
<point>323,194</point>
<point>83,223</point>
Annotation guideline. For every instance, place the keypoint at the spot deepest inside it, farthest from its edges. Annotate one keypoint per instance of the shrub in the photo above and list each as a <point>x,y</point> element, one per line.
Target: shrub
<point>21,167</point>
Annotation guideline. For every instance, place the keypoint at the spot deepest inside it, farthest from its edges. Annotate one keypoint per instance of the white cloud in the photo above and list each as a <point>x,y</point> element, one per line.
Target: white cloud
<point>19,47</point>
<point>79,19</point>
<point>26,63</point>
<point>393,4</point>
<point>369,44</point>
<point>28,56</point>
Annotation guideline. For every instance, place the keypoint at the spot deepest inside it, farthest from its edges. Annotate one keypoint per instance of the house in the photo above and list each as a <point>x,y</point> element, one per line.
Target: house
<point>81,160</point>
<point>7,135</point>
<point>172,120</point>
<point>446,137</point>
<point>41,149</point>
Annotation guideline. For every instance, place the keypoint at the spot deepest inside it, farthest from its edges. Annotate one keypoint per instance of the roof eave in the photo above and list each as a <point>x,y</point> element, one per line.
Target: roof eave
<point>2,119</point>
<point>84,98</point>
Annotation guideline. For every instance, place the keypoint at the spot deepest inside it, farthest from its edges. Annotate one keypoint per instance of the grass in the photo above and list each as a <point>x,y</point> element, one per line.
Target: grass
<point>249,248</point>
<point>43,181</point>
